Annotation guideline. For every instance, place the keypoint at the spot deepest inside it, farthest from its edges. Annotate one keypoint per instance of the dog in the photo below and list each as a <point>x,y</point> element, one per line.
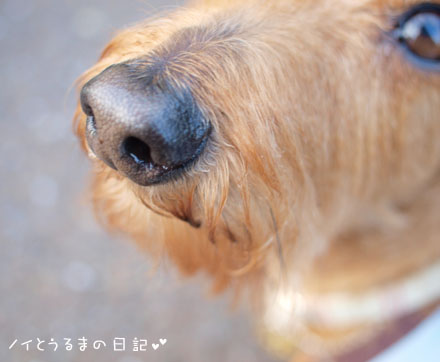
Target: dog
<point>288,149</point>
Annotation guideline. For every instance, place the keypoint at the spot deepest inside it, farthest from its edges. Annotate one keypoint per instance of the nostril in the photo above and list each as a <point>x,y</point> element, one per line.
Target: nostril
<point>84,100</point>
<point>87,109</point>
<point>91,124</point>
<point>138,151</point>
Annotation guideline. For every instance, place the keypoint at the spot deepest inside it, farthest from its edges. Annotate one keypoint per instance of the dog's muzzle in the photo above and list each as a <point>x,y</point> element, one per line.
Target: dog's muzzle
<point>140,125</point>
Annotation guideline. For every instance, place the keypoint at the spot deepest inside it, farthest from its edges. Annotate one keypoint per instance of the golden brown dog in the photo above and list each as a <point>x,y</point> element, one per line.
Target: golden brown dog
<point>288,148</point>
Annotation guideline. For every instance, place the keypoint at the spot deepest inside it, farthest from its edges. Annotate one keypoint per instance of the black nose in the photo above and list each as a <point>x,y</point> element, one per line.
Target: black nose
<point>140,125</point>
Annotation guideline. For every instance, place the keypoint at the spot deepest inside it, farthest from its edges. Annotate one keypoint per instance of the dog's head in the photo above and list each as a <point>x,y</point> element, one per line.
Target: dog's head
<point>223,132</point>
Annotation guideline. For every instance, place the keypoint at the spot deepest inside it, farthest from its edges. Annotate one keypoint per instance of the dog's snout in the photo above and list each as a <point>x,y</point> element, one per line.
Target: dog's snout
<point>141,126</point>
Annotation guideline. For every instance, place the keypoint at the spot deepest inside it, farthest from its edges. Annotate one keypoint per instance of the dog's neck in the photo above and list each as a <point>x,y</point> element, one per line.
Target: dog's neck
<point>366,278</point>
<point>359,343</point>
<point>397,240</point>
<point>349,324</point>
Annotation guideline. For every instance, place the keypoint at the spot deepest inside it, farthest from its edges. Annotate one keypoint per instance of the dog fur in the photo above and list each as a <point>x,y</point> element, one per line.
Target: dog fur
<point>323,167</point>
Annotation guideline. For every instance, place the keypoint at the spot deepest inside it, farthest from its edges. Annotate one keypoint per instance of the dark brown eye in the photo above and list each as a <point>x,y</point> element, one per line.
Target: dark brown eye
<point>418,31</point>
<point>421,34</point>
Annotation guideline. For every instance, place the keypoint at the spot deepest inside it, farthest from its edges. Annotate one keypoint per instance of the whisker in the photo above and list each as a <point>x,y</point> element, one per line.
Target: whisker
<point>277,236</point>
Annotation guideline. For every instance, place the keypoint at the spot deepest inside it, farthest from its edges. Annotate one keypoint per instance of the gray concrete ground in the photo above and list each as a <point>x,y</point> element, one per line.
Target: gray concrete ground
<point>61,276</point>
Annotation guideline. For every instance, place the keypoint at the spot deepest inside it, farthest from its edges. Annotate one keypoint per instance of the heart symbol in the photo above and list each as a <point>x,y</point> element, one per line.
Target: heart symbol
<point>163,341</point>
<point>155,346</point>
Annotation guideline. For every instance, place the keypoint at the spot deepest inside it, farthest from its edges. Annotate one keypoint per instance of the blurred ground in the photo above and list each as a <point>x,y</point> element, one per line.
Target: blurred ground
<point>61,276</point>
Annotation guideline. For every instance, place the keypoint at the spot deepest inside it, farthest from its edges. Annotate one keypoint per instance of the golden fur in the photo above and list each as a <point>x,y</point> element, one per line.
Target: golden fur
<point>324,161</point>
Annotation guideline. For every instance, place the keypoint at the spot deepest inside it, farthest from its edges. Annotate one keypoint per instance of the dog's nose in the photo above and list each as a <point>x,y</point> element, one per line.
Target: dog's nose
<point>140,125</point>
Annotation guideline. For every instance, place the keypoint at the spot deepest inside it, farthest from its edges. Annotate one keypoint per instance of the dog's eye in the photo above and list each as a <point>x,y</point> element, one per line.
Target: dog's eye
<point>418,31</point>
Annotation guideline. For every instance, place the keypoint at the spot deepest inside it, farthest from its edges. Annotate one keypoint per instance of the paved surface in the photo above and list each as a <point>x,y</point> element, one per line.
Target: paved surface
<point>61,276</point>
